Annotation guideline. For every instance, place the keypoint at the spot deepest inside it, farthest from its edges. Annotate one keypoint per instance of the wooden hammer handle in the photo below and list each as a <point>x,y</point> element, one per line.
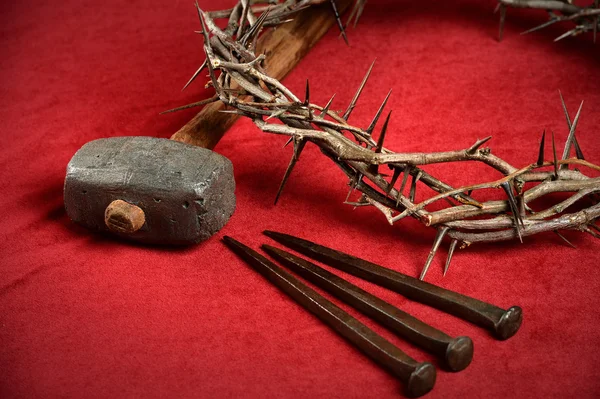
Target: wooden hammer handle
<point>285,47</point>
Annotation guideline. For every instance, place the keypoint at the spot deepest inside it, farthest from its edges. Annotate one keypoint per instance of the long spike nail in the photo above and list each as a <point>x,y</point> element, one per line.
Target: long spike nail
<point>418,377</point>
<point>456,353</point>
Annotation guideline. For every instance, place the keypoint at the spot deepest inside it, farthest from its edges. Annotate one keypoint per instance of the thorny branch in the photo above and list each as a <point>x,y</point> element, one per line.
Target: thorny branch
<point>240,81</point>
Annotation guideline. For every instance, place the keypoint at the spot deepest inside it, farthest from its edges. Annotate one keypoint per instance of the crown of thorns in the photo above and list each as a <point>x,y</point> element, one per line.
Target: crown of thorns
<point>380,175</point>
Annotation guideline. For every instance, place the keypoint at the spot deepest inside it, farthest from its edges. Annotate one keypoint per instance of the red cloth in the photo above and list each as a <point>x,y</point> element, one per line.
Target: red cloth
<point>88,316</point>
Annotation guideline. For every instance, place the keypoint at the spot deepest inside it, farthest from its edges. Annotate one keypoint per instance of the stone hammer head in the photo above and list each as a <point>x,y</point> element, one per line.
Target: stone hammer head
<point>150,190</point>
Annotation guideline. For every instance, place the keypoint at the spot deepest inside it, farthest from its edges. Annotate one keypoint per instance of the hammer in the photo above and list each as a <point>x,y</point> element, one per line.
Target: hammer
<point>175,192</point>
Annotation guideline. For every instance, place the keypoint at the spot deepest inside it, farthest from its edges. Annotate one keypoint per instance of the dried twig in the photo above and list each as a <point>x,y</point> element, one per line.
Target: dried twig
<point>240,81</point>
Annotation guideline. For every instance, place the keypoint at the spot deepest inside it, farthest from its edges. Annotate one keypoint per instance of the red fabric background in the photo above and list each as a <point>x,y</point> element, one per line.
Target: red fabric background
<point>87,316</point>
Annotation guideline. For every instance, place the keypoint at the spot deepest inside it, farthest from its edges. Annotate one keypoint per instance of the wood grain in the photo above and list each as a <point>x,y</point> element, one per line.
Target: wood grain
<point>285,47</point>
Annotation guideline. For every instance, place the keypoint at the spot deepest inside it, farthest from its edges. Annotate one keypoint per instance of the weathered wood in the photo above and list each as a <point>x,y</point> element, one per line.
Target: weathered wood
<point>285,47</point>
<point>123,217</point>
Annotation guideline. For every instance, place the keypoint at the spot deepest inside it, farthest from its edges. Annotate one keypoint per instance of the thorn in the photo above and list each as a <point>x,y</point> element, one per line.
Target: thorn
<point>436,244</point>
<point>395,176</point>
<point>502,18</point>
<point>478,143</point>
<point>572,133</point>
<point>378,114</point>
<point>339,21</point>
<point>577,149</point>
<point>566,34</point>
<point>413,186</point>
<point>255,29</point>
<point>545,24</point>
<point>360,11</point>
<point>382,135</point>
<point>353,184</point>
<point>404,180</point>
<point>196,104</point>
<point>307,94</point>
<point>276,114</point>
<point>349,193</point>
<point>307,100</point>
<point>358,92</point>
<point>352,14</point>
<point>450,253</point>
<point>565,239</point>
<point>554,155</point>
<point>562,100</point>
<point>595,20</point>
<point>593,233</point>
<point>288,142</point>
<point>195,75</point>
<point>211,72</point>
<point>513,208</point>
<point>540,160</point>
<point>326,108</point>
<point>298,147</point>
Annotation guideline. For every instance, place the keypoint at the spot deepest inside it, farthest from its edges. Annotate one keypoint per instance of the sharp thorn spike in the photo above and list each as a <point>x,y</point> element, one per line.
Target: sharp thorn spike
<point>394,179</point>
<point>413,186</point>
<point>352,14</point>
<point>478,143</point>
<point>577,149</point>
<point>327,106</point>
<point>540,160</point>
<point>339,21</point>
<point>307,95</point>
<point>307,101</point>
<point>298,147</point>
<point>358,92</point>
<point>196,104</point>
<point>513,208</point>
<point>555,158</point>
<point>450,253</point>
<point>405,178</point>
<point>195,75</point>
<point>350,191</point>
<point>276,114</point>
<point>593,233</point>
<point>288,142</point>
<point>565,239</point>
<point>564,35</point>
<point>502,19</point>
<point>211,72</point>
<point>545,24</point>
<point>595,20</point>
<point>378,114</point>
<point>564,106</point>
<point>572,133</point>
<point>382,135</point>
<point>436,244</point>
<point>360,11</point>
